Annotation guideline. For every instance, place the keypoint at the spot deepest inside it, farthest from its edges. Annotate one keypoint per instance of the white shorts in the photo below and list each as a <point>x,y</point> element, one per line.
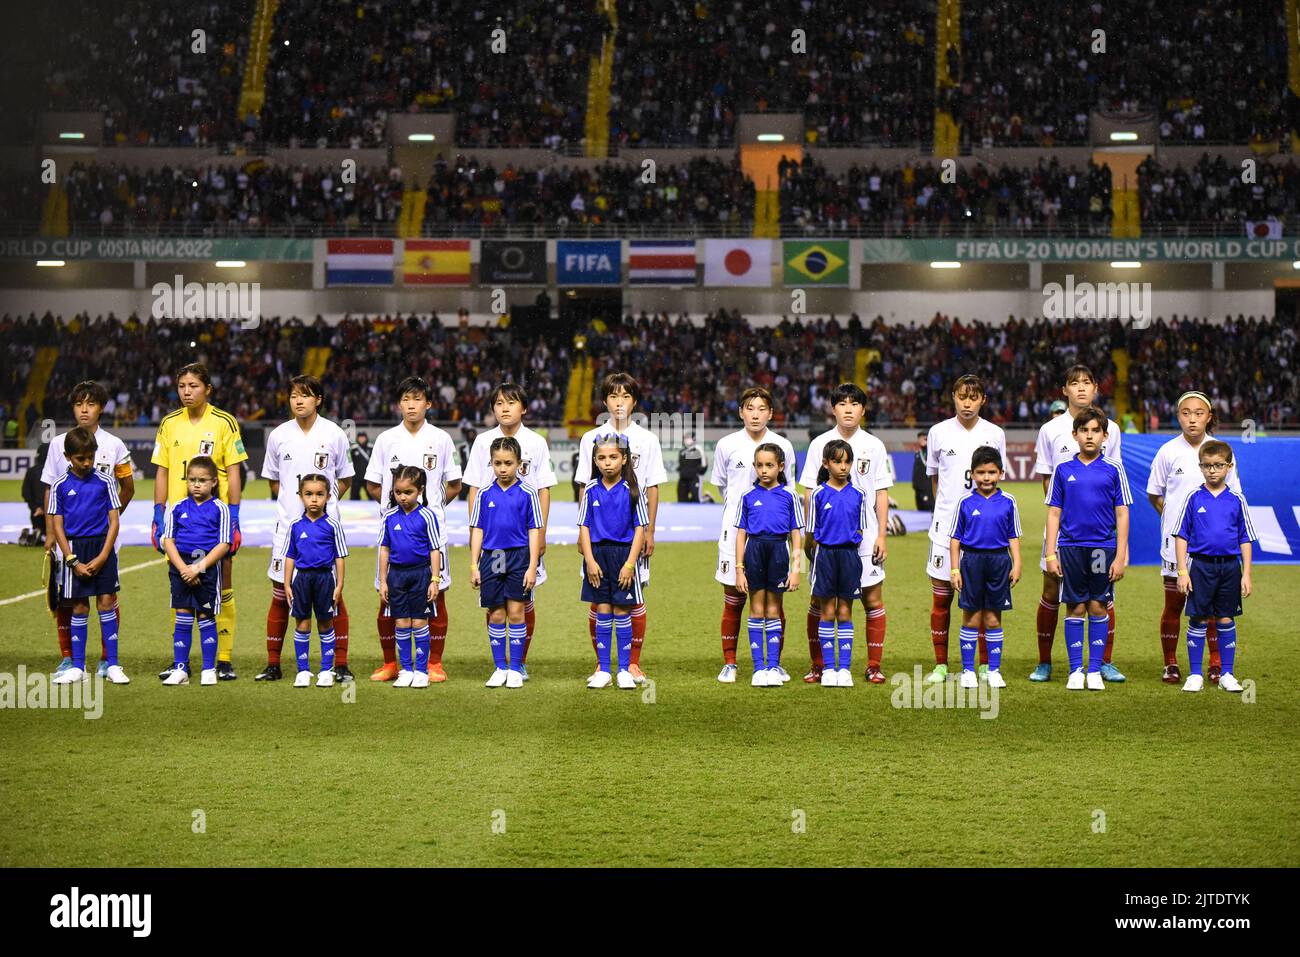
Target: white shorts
<point>725,572</point>
<point>541,571</point>
<point>444,577</point>
<point>1168,569</point>
<point>872,574</point>
<point>938,564</point>
<point>275,568</point>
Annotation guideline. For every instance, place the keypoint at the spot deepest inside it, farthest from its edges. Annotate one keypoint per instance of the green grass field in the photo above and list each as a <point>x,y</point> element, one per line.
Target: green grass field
<point>690,773</point>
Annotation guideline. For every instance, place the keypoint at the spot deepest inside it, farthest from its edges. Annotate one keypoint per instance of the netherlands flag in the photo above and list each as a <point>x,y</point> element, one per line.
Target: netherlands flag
<point>359,262</point>
<point>662,262</point>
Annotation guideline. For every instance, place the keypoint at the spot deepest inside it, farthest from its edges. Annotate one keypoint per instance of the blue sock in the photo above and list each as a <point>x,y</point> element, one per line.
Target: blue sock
<point>80,625</point>
<point>208,642</point>
<point>826,635</point>
<point>844,638</point>
<point>326,649</point>
<point>302,648</point>
<point>604,638</point>
<point>1098,631</point>
<point>994,641</point>
<point>517,631</point>
<point>1073,643</point>
<point>497,644</point>
<point>108,631</point>
<point>421,638</point>
<point>183,636</point>
<point>967,639</point>
<point>774,642</point>
<point>756,642</point>
<point>1196,647</point>
<point>403,638</point>
<point>1227,646</point>
<point>623,638</point>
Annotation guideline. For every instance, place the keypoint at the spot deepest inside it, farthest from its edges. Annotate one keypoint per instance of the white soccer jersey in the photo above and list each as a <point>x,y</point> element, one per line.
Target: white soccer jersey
<point>112,460</point>
<point>870,471</point>
<point>948,453</point>
<point>535,468</point>
<point>430,448</point>
<point>1176,474</point>
<point>643,445</point>
<point>1056,443</point>
<point>292,453</point>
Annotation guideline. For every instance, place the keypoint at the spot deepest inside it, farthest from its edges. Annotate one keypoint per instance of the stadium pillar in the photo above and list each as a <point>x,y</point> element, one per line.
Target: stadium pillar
<point>1217,271</point>
<point>1035,274</point>
<point>947,78</point>
<point>1293,72</point>
<point>137,274</point>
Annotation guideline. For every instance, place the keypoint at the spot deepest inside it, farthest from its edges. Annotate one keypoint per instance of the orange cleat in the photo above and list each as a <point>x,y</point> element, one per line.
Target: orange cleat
<point>435,671</point>
<point>385,672</point>
<point>637,674</point>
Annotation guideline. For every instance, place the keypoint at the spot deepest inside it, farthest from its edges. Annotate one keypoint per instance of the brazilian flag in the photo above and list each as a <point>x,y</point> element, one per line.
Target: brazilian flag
<point>824,263</point>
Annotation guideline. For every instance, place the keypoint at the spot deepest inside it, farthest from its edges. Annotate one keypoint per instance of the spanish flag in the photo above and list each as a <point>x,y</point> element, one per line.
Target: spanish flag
<point>436,262</point>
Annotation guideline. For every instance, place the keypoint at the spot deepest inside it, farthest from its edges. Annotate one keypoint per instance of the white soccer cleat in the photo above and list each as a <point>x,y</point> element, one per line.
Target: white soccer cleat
<point>781,673</point>
<point>727,675</point>
<point>69,676</point>
<point>830,678</point>
<point>514,679</point>
<point>969,679</point>
<point>996,680</point>
<point>844,678</point>
<point>601,679</point>
<point>498,679</point>
<point>1076,681</point>
<point>760,679</point>
<point>1096,682</point>
<point>178,676</point>
<point>626,681</point>
<point>208,676</point>
<point>116,675</point>
<point>1228,682</point>
<point>325,679</point>
<point>420,679</point>
<point>774,679</point>
<point>404,679</point>
<point>302,679</point>
<point>1196,683</point>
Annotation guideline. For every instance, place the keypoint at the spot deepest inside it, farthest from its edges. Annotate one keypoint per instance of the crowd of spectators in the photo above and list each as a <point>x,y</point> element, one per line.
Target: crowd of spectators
<point>1212,190</point>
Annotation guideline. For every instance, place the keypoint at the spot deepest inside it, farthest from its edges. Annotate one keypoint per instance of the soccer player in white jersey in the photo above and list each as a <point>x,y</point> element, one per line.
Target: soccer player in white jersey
<point>1176,474</point>
<point>111,460</point>
<point>307,444</point>
<point>1056,444</point>
<point>949,447</point>
<point>734,475</point>
<point>871,474</point>
<point>509,403</point>
<point>621,393</point>
<point>416,442</point>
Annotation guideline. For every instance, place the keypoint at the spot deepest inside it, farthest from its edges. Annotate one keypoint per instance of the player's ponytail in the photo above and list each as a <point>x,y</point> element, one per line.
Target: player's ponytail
<point>779,452</point>
<point>415,476</point>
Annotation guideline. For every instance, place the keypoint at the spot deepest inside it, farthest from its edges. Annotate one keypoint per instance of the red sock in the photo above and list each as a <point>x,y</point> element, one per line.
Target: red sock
<point>983,647</point>
<point>940,619</point>
<point>814,640</point>
<point>1170,618</point>
<point>591,625</point>
<point>530,621</point>
<point>731,609</point>
<point>1048,614</point>
<point>277,623</point>
<point>438,630</point>
<point>638,632</point>
<point>341,633</point>
<point>875,636</point>
<point>387,637</point>
<point>1212,642</point>
<point>63,627</point>
<point>1110,635</point>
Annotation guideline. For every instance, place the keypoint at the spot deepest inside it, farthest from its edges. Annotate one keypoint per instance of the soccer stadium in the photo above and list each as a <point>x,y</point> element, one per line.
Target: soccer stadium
<point>389,391</point>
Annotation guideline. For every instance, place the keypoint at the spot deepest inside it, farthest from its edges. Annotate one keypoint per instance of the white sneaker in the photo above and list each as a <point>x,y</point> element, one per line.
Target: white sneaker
<point>1228,682</point>
<point>325,679</point>
<point>995,679</point>
<point>514,679</point>
<point>1095,681</point>
<point>420,679</point>
<point>830,678</point>
<point>178,676</point>
<point>404,679</point>
<point>774,679</point>
<point>626,681</point>
<point>969,679</point>
<point>301,680</point>
<point>69,676</point>
<point>116,675</point>
<point>1196,682</point>
<point>727,675</point>
<point>1076,681</point>
<point>498,679</point>
<point>601,679</point>
<point>844,678</point>
<point>760,679</point>
<point>781,673</point>
<point>208,676</point>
